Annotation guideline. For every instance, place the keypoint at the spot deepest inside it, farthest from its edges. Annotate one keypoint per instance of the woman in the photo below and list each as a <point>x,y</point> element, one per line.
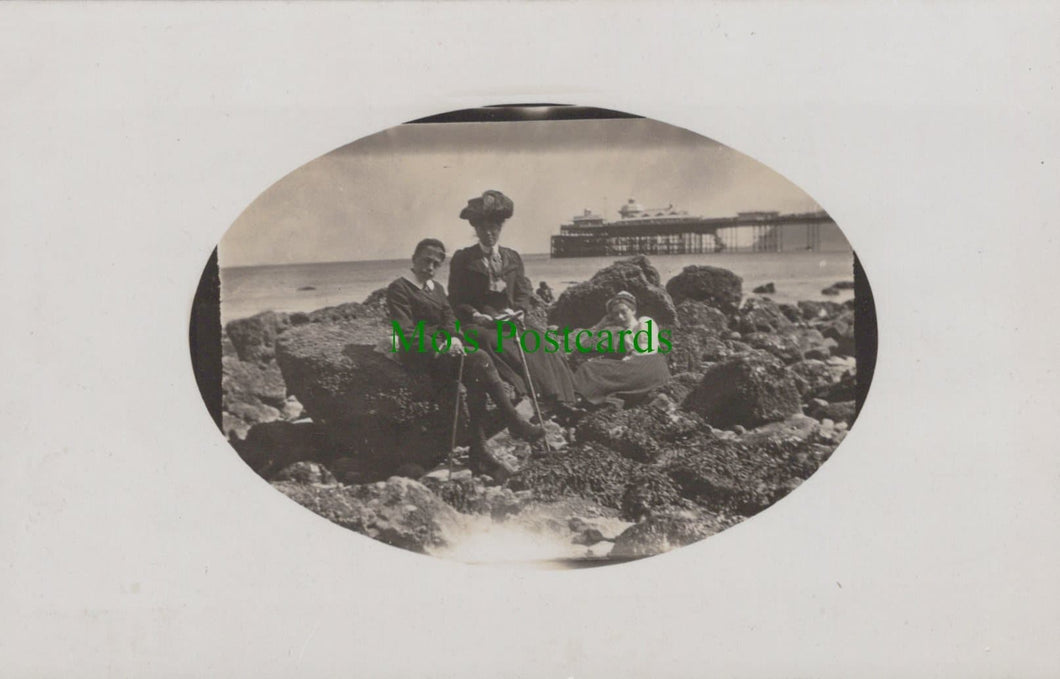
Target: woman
<point>639,368</point>
<point>487,282</point>
<point>416,298</point>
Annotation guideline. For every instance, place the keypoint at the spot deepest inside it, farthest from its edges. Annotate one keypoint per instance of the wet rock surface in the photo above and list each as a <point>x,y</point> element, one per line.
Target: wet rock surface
<point>747,390</point>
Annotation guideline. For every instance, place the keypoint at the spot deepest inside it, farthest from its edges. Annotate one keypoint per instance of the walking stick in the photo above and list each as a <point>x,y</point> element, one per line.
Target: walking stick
<point>456,413</point>
<point>533,393</point>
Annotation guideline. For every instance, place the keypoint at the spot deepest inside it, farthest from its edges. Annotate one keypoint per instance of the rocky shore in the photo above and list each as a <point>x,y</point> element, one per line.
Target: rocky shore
<point>761,395</point>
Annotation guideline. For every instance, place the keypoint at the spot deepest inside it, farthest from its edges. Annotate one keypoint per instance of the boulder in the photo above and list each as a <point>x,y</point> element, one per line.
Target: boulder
<point>761,315</point>
<point>811,342</point>
<point>664,532</point>
<point>365,398</point>
<point>811,375</point>
<point>400,512</point>
<point>843,390</point>
<point>814,310</point>
<point>783,346</point>
<point>306,472</point>
<point>718,287</point>
<point>583,305</point>
<point>254,337</point>
<point>791,312</point>
<point>841,329</point>
<point>251,381</point>
<point>840,411</point>
<point>747,390</point>
<point>767,289</point>
<point>271,446</point>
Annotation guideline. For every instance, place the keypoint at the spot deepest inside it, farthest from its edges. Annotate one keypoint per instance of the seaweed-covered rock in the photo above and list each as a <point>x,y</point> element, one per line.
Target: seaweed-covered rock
<point>400,512</point>
<point>811,375</point>
<point>470,495</point>
<point>255,337</point>
<point>701,314</point>
<point>582,305</point>
<point>650,492</point>
<point>744,476</point>
<point>791,312</point>
<point>761,315</point>
<point>783,346</point>
<point>664,532</point>
<point>306,472</point>
<point>587,471</point>
<point>718,287</point>
<point>747,390</point>
<point>639,433</point>
<point>365,398</point>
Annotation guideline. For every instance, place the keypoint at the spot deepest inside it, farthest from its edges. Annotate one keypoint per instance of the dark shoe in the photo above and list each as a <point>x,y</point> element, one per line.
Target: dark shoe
<point>522,429</point>
<point>480,462</point>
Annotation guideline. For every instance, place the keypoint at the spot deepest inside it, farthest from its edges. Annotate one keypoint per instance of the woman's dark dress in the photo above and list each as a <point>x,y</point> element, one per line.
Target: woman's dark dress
<point>469,291</point>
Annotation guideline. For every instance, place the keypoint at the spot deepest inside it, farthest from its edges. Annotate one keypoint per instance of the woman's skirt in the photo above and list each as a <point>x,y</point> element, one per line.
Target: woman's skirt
<point>599,378</point>
<point>552,377</point>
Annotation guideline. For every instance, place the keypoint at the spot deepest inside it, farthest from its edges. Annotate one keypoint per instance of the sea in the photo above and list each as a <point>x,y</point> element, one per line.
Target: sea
<point>248,290</point>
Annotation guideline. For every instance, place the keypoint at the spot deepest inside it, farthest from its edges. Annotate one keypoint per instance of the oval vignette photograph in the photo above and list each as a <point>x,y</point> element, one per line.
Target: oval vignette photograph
<point>541,335</point>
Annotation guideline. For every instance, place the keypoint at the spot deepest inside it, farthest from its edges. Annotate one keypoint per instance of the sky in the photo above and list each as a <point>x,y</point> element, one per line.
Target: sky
<point>377,197</point>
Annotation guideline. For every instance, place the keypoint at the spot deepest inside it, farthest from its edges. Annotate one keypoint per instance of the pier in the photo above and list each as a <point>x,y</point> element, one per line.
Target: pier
<point>668,231</point>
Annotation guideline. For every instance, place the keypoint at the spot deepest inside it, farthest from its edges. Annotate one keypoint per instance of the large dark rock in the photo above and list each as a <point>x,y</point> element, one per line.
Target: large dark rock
<point>664,532</point>
<point>254,337</point>
<point>364,397</point>
<point>746,390</point>
<point>271,446</point>
<point>718,287</point>
<point>582,305</point>
<point>761,315</point>
<point>400,512</point>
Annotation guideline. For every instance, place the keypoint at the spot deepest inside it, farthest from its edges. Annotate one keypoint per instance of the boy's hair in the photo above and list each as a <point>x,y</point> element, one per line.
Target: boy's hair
<point>429,243</point>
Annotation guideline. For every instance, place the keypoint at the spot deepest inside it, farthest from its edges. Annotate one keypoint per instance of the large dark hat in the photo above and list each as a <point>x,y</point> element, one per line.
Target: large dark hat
<point>492,206</point>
